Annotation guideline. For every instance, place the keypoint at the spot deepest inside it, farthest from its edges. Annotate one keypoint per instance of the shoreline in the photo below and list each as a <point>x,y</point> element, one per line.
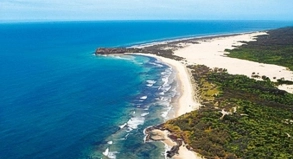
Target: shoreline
<point>185,103</point>
<point>188,38</point>
<point>211,52</point>
<point>208,51</point>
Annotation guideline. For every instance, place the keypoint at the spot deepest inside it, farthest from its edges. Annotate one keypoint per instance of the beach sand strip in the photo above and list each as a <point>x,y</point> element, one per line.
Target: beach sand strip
<point>211,52</point>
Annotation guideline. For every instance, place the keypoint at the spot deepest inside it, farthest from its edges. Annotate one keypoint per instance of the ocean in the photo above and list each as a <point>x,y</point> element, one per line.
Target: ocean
<point>58,100</point>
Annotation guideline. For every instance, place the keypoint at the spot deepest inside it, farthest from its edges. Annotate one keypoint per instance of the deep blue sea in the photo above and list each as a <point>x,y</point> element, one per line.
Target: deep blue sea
<point>59,101</point>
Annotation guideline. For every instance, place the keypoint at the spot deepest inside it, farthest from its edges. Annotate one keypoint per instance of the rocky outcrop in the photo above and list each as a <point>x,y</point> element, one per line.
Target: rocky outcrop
<point>175,148</point>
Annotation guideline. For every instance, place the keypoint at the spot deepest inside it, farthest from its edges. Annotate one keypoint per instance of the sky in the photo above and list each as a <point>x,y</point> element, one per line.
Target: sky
<point>74,10</point>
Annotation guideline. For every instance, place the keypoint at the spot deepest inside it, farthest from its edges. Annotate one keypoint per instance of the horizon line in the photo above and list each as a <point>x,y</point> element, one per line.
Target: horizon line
<point>104,20</point>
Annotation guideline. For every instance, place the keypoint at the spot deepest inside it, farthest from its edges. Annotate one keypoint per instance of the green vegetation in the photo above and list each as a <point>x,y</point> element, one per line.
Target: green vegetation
<point>259,123</point>
<point>274,48</point>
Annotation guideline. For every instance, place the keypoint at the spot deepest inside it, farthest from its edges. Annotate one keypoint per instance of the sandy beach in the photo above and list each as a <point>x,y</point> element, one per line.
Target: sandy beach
<point>211,52</point>
<point>186,103</point>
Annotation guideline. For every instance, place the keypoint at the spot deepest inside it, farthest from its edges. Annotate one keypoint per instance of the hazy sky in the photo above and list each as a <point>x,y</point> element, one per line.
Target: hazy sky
<point>22,10</point>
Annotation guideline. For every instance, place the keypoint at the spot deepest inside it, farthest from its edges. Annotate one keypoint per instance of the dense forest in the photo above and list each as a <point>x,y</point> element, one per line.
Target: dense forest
<point>274,48</point>
<point>240,117</point>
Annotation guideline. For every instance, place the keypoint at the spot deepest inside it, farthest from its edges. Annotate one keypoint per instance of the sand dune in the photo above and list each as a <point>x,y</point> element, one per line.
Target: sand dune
<point>212,54</point>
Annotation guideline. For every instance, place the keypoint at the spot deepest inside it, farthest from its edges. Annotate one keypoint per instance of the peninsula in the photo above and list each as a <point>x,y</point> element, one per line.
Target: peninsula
<point>236,95</point>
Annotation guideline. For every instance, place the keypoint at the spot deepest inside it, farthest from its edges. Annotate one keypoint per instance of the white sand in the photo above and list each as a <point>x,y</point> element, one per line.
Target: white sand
<point>212,54</point>
<point>288,88</point>
<point>186,102</point>
<point>184,153</point>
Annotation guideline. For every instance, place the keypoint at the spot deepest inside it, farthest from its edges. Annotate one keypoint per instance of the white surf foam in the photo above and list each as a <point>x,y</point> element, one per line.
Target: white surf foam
<point>112,154</point>
<point>144,97</point>
<point>106,152</point>
<point>166,88</point>
<point>144,114</point>
<point>156,64</point>
<point>149,85</point>
<point>166,75</point>
<point>165,82</point>
<point>122,126</point>
<point>150,82</point>
<point>166,112</point>
<point>166,99</point>
<point>110,142</point>
<point>145,135</point>
<point>134,122</point>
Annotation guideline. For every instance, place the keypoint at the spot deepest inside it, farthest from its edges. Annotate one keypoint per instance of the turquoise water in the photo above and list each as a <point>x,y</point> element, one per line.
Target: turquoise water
<point>58,100</point>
